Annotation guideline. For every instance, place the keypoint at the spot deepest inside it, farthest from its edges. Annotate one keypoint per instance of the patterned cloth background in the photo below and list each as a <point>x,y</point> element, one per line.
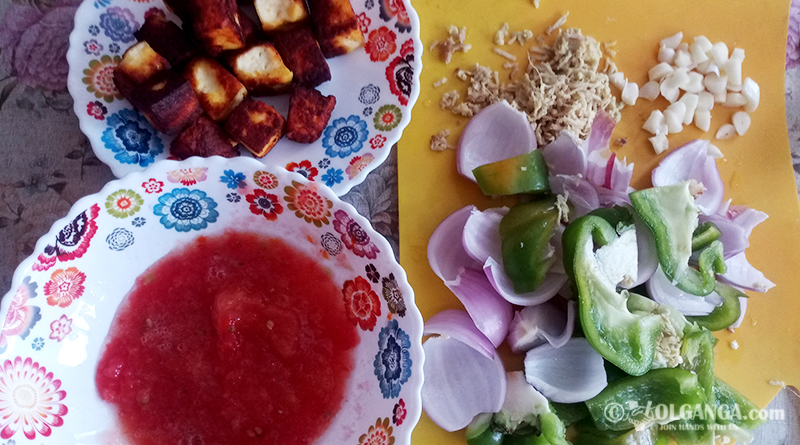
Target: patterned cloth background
<point>46,164</point>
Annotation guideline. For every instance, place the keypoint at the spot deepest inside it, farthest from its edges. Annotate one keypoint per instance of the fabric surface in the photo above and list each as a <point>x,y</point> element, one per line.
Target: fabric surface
<point>46,164</point>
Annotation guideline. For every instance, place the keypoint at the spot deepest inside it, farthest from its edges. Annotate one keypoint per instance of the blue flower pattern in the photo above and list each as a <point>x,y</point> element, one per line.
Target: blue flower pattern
<point>333,176</point>
<point>138,221</point>
<point>118,24</point>
<point>345,136</point>
<point>233,197</point>
<point>324,163</point>
<point>94,30</point>
<point>393,360</point>
<point>233,180</point>
<point>185,210</point>
<point>101,3</point>
<point>114,48</point>
<point>132,138</point>
<point>119,239</point>
<point>37,344</point>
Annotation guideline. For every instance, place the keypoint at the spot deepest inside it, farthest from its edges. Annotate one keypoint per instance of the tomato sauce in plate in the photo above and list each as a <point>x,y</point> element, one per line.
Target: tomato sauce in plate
<point>234,339</point>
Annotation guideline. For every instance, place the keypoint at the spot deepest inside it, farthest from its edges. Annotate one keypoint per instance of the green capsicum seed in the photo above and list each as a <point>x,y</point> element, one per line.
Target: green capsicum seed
<point>525,234</point>
<point>521,174</point>
<point>722,316</point>
<point>704,234</point>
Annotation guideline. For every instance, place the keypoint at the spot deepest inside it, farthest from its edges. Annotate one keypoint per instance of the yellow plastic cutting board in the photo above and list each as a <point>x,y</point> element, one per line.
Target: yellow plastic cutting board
<point>757,168</point>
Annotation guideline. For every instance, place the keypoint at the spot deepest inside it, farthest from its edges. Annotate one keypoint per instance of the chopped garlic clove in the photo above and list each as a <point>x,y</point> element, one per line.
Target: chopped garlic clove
<point>741,122</point>
<point>618,80</point>
<point>714,83</point>
<point>650,90</point>
<point>690,100</point>
<point>734,88</point>
<point>714,152</point>
<point>677,79</point>
<point>719,53</point>
<point>703,43</point>
<point>698,54</point>
<point>735,100</point>
<point>674,118</point>
<point>733,69</point>
<point>721,97</point>
<point>695,83</point>
<point>660,71</point>
<point>670,93</point>
<point>702,119</point>
<point>682,59</point>
<point>737,53</point>
<point>672,41</point>
<point>660,143</point>
<point>702,67</point>
<point>725,132</point>
<point>654,122</point>
<point>630,93</point>
<point>752,92</point>
<point>712,68</point>
<point>666,55</point>
<point>705,101</point>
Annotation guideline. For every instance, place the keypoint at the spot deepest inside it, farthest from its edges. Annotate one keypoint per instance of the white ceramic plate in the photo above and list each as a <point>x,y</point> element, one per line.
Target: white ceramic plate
<point>65,295</point>
<point>375,89</point>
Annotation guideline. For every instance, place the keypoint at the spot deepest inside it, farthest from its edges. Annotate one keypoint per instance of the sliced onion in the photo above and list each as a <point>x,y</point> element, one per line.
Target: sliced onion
<point>490,312</point>
<point>743,311</point>
<point>460,383</point>
<point>610,198</point>
<point>497,132</point>
<point>734,237</point>
<point>503,285</point>
<point>458,325</point>
<point>742,274</point>
<point>692,161</point>
<point>600,134</point>
<point>481,237</point>
<point>664,292</point>
<point>558,249</point>
<point>543,323</point>
<point>570,374</point>
<point>446,253</point>
<point>579,192</point>
<point>565,156</point>
<point>646,249</point>
<point>749,219</point>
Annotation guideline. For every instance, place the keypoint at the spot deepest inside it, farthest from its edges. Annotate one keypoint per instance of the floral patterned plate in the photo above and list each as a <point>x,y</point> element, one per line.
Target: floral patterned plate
<point>65,295</point>
<point>375,88</point>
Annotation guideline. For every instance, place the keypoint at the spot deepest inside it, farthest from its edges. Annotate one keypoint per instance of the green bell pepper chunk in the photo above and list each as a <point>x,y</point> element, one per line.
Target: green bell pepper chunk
<point>588,434</point>
<point>521,174</point>
<point>704,234</point>
<point>697,351</point>
<point>481,432</point>
<point>526,440</point>
<point>722,316</point>
<point>569,413</point>
<point>525,234</point>
<point>727,398</point>
<point>671,215</point>
<point>635,400</point>
<point>625,338</point>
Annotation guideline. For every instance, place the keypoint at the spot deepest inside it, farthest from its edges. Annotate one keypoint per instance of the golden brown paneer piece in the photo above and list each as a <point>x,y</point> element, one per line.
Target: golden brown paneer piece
<point>216,25</point>
<point>217,89</point>
<point>167,101</point>
<point>309,112</point>
<point>256,125</point>
<point>203,138</point>
<point>336,26</point>
<point>277,15</point>
<point>261,70</point>
<point>139,63</point>
<point>301,54</point>
<point>168,39</point>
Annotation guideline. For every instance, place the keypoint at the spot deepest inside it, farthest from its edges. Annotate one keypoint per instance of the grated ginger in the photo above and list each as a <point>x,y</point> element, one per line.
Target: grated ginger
<point>439,141</point>
<point>454,42</point>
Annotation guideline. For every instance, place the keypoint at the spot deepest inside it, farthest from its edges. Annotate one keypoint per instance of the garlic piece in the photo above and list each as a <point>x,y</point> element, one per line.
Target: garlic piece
<point>702,67</point>
<point>666,55</point>
<point>654,123</point>
<point>702,119</point>
<point>720,98</point>
<point>690,100</point>
<point>660,143</point>
<point>734,88</point>
<point>725,132</point>
<point>618,80</point>
<point>741,122</point>
<point>733,69</point>
<point>630,93</point>
<point>703,43</point>
<point>752,92</point>
<point>695,83</point>
<point>698,54</point>
<point>714,83</point>
<point>705,101</point>
<point>650,90</point>
<point>660,71</point>
<point>719,53</point>
<point>674,117</point>
<point>673,41</point>
<point>735,100</point>
<point>714,151</point>
<point>677,79</point>
<point>682,59</point>
<point>670,93</point>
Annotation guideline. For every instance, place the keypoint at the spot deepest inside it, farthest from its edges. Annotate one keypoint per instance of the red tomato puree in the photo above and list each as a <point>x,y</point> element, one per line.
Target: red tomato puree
<point>235,339</point>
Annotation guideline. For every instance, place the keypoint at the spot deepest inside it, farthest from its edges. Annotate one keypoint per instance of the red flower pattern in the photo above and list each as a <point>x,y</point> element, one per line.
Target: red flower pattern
<point>381,44</point>
<point>364,22</point>
<point>65,286</point>
<point>400,73</point>
<point>399,413</point>
<point>362,305</point>
<point>97,110</point>
<point>153,186</point>
<point>377,141</point>
<point>263,203</point>
<point>304,168</point>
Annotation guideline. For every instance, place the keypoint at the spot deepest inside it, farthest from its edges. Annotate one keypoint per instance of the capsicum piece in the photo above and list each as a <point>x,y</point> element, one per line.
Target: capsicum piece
<point>672,216</point>
<point>521,174</point>
<point>588,434</point>
<point>742,409</point>
<point>697,351</point>
<point>623,337</point>
<point>722,316</point>
<point>525,234</point>
<point>481,431</point>
<point>705,234</point>
<point>631,401</point>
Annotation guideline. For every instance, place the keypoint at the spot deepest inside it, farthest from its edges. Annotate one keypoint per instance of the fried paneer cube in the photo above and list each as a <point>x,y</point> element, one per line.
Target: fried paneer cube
<point>216,25</point>
<point>203,138</point>
<point>139,63</point>
<point>217,89</point>
<point>261,70</point>
<point>309,112</point>
<point>256,125</point>
<point>168,39</point>
<point>276,15</point>
<point>336,26</point>
<point>167,101</point>
<point>301,54</point>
